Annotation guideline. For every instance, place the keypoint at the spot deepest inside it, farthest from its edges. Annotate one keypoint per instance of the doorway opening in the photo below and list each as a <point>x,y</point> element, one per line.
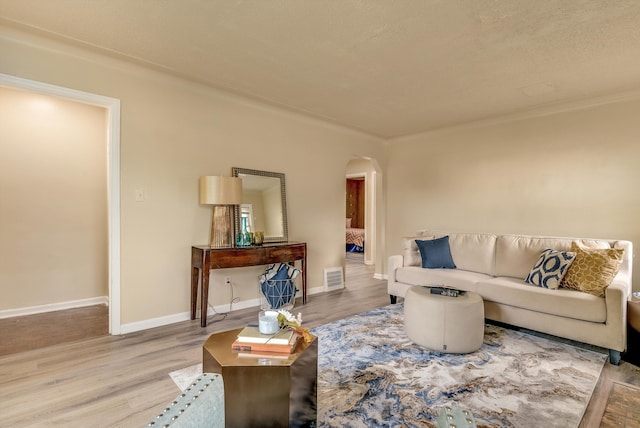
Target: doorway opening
<point>111,193</point>
<point>360,211</point>
<point>355,218</point>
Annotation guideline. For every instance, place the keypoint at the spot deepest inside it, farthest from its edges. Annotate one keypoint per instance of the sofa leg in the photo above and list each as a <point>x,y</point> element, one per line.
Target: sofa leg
<point>614,357</point>
<point>393,299</point>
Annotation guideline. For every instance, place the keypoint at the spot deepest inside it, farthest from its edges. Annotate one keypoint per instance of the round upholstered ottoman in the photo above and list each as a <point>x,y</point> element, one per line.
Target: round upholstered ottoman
<point>442,323</point>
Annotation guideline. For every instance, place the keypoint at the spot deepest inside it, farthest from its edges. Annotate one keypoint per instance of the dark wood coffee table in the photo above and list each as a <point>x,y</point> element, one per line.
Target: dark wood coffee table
<point>262,390</point>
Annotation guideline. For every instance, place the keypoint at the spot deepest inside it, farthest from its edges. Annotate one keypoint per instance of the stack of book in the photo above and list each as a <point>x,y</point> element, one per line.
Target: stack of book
<point>251,340</point>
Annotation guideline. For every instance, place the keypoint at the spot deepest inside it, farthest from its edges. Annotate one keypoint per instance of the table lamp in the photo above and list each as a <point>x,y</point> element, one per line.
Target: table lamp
<point>222,193</point>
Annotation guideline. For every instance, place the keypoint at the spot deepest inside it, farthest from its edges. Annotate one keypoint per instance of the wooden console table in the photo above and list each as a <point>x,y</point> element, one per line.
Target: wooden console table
<point>204,258</point>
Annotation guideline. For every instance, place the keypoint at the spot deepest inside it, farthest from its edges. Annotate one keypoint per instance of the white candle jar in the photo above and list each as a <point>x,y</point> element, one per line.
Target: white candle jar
<point>268,322</point>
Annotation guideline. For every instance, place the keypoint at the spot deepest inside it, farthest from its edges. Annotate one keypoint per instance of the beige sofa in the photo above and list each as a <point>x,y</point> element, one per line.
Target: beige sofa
<point>495,266</point>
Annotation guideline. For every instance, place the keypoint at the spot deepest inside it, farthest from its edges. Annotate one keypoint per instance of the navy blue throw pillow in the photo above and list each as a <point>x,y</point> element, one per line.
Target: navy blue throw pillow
<point>435,253</point>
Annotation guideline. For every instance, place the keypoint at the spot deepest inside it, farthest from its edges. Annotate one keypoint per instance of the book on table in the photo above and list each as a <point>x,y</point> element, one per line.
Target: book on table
<point>251,334</point>
<point>251,340</point>
<point>266,348</point>
<point>262,355</point>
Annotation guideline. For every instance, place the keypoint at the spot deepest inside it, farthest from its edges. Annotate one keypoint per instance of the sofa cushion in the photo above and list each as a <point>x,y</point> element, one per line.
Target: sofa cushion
<point>624,274</point>
<point>470,251</point>
<point>454,278</point>
<point>593,269</point>
<point>561,302</point>
<point>515,254</point>
<point>435,253</point>
<point>410,252</point>
<point>550,268</point>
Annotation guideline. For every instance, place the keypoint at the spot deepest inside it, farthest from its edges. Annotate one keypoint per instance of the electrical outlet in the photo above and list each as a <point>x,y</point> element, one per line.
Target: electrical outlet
<point>227,280</point>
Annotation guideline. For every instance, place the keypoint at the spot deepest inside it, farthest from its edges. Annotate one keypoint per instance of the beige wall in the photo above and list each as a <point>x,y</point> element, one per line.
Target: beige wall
<point>172,132</point>
<point>53,209</point>
<point>567,174</point>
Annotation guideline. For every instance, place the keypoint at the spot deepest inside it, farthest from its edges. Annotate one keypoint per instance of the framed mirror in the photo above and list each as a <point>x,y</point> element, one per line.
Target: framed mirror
<point>264,204</point>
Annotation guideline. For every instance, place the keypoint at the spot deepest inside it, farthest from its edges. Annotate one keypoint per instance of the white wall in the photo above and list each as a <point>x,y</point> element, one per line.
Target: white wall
<point>174,131</point>
<point>574,173</point>
<point>53,208</point>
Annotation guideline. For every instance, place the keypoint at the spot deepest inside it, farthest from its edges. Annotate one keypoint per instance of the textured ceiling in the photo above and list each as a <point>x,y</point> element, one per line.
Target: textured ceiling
<point>389,68</point>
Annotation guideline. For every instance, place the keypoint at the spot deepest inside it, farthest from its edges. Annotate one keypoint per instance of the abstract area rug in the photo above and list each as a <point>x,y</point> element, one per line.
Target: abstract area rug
<point>371,374</point>
<point>185,377</point>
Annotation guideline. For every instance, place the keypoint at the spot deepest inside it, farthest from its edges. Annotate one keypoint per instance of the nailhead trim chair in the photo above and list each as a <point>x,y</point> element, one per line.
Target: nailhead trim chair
<point>200,405</point>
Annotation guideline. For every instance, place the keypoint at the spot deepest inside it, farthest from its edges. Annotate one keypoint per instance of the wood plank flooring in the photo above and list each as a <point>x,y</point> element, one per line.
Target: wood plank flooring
<point>623,407</point>
<point>122,381</point>
<point>52,328</point>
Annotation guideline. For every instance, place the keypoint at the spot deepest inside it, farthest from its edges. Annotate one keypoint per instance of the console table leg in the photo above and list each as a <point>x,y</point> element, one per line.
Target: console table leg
<point>195,273</point>
<point>204,303</point>
<point>204,279</point>
<point>304,277</point>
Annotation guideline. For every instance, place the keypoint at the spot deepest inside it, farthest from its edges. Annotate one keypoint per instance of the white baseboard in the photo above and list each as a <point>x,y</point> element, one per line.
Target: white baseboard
<point>379,276</point>
<point>138,325</point>
<point>186,316</point>
<point>51,307</point>
<point>154,322</point>
<point>222,309</point>
<point>314,290</point>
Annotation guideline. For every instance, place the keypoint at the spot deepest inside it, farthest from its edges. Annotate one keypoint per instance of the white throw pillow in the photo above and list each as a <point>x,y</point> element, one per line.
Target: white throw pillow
<point>550,268</point>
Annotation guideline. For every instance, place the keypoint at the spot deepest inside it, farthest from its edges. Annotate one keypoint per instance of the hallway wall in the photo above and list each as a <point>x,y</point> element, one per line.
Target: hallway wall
<point>53,211</point>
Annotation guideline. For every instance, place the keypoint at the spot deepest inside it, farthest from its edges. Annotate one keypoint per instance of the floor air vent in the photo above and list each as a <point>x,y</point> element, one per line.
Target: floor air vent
<point>333,278</point>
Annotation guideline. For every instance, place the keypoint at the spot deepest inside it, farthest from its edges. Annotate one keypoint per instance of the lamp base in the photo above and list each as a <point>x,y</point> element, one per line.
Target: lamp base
<point>221,227</point>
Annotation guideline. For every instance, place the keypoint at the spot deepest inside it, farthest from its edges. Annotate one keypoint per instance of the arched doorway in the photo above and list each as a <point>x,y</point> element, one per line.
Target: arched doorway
<point>361,219</point>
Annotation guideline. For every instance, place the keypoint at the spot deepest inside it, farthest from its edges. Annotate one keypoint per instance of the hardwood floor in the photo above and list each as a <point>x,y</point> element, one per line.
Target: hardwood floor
<point>122,381</point>
<point>51,328</point>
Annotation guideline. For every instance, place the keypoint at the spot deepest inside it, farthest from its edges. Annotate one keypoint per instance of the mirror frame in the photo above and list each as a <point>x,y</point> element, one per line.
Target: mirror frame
<point>235,171</point>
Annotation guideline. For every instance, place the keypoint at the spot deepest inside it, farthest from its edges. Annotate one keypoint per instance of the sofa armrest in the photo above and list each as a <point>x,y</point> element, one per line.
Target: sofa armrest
<point>617,291</point>
<point>393,263</point>
<point>616,300</point>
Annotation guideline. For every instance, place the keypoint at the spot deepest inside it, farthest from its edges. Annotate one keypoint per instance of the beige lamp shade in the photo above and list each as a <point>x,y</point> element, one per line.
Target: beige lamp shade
<point>216,190</point>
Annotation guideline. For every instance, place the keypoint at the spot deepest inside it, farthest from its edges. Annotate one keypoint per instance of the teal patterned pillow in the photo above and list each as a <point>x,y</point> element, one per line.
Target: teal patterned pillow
<point>550,268</point>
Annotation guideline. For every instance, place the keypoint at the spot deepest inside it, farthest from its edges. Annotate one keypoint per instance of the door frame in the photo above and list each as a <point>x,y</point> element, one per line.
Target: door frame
<point>112,105</point>
<point>369,214</point>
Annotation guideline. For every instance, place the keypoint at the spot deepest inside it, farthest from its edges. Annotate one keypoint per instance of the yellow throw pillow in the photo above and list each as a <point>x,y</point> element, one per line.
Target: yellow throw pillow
<point>593,269</point>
